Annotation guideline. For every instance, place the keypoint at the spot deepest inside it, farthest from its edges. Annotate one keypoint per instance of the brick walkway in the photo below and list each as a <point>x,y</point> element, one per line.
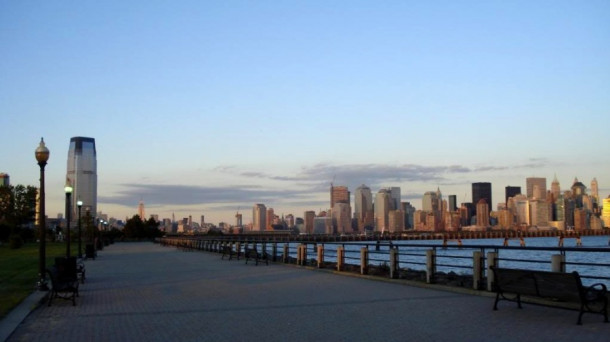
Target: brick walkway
<point>142,291</point>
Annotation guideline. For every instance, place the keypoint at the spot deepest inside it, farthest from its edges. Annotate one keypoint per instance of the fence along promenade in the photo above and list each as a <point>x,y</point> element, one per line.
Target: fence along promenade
<point>393,258</point>
<point>144,291</point>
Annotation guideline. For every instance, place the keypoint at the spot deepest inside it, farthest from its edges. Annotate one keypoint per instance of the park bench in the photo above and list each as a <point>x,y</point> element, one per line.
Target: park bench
<point>556,286</point>
<point>252,253</point>
<point>80,271</point>
<point>230,252</point>
<point>61,286</point>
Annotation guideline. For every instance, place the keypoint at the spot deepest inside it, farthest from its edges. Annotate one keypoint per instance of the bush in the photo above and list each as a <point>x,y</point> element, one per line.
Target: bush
<point>15,241</point>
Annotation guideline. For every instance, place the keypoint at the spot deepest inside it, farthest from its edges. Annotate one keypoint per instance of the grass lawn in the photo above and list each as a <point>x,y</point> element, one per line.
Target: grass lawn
<point>19,271</point>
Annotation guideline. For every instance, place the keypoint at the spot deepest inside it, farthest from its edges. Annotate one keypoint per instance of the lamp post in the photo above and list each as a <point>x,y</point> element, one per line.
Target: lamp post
<point>68,190</point>
<point>42,155</point>
<point>79,204</point>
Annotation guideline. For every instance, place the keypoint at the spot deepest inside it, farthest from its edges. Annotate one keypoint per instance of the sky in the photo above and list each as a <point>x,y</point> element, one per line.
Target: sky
<point>208,107</point>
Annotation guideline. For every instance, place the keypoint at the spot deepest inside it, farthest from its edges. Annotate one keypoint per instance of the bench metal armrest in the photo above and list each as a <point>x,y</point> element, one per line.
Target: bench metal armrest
<point>595,292</point>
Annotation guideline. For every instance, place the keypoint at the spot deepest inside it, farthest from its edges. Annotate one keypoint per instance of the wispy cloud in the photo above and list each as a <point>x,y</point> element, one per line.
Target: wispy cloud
<point>155,194</point>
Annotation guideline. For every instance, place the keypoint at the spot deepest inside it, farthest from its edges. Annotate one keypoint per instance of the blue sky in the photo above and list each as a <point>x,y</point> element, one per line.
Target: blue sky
<point>203,107</point>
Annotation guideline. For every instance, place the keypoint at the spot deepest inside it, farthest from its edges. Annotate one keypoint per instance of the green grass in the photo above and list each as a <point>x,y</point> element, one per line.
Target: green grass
<point>19,271</point>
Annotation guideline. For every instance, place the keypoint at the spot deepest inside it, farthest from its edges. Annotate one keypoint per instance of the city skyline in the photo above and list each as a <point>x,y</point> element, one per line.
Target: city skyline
<point>202,108</point>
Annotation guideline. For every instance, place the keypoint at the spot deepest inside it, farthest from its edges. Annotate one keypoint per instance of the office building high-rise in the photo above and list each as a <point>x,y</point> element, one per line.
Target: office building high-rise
<point>82,174</point>
<point>555,188</point>
<point>538,183</point>
<point>452,203</point>
<point>259,217</point>
<point>382,209</point>
<point>395,198</point>
<point>430,202</point>
<point>606,212</point>
<point>363,200</point>
<point>4,179</point>
<point>595,190</point>
<point>309,217</point>
<point>481,191</point>
<point>141,211</point>
<point>511,191</point>
<point>339,194</point>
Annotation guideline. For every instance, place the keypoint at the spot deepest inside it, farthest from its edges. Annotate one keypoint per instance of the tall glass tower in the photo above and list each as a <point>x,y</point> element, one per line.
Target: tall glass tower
<point>82,174</point>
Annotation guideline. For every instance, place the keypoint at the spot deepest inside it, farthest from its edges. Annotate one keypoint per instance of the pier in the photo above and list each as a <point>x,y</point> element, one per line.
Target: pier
<point>145,291</point>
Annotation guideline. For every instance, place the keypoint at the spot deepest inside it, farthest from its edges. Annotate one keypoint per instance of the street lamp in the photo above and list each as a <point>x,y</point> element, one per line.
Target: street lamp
<point>68,190</point>
<point>79,204</point>
<point>42,155</point>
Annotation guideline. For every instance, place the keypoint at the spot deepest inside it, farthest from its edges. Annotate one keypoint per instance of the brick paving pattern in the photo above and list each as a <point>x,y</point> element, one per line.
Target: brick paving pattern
<point>146,292</point>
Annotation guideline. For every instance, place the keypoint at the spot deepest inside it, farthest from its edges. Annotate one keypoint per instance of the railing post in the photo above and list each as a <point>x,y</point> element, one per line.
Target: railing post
<point>430,265</point>
<point>492,260</point>
<point>393,263</point>
<point>340,258</point>
<point>238,249</point>
<point>558,263</point>
<point>304,255</point>
<point>274,251</point>
<point>477,275</point>
<point>320,256</point>
<point>285,256</point>
<point>364,260</point>
<point>299,254</point>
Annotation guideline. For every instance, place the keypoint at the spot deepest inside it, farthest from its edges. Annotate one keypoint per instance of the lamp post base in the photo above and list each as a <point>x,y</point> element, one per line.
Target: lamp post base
<point>41,285</point>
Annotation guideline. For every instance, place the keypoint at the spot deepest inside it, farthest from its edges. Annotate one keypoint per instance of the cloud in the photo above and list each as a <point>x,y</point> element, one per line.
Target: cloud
<point>158,195</point>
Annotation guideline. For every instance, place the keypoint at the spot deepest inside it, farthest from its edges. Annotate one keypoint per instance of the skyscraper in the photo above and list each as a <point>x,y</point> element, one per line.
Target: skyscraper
<point>511,191</point>
<point>595,190</point>
<point>259,217</point>
<point>481,191</point>
<point>538,182</point>
<point>338,194</point>
<point>555,188</point>
<point>452,203</point>
<point>363,200</point>
<point>382,209</point>
<point>4,179</point>
<point>141,212</point>
<point>394,198</point>
<point>82,174</point>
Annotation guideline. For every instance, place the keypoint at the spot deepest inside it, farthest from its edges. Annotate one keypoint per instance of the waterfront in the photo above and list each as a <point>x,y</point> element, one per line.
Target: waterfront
<point>591,260</point>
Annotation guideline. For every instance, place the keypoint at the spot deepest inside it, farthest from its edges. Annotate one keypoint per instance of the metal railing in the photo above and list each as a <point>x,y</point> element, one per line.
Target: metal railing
<point>593,264</point>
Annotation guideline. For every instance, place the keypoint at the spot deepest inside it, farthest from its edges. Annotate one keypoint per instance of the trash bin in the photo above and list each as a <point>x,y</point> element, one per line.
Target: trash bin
<point>90,251</point>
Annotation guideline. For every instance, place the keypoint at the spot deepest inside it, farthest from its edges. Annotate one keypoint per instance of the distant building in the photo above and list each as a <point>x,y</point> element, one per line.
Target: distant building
<point>342,218</point>
<point>382,209</point>
<point>363,207</point>
<point>309,217</point>
<point>409,211</point>
<point>481,191</point>
<point>396,221</point>
<point>4,179</point>
<point>511,191</point>
<point>430,201</point>
<point>555,188</point>
<point>259,217</point>
<point>482,213</point>
<point>141,212</point>
<point>339,194</point>
<point>452,203</point>
<point>538,182</point>
<point>595,190</point>
<point>270,219</point>
<point>606,212</point>
<point>82,174</point>
<point>394,198</point>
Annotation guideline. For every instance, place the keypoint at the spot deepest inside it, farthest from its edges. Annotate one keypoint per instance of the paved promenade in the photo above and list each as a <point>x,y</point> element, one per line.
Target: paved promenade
<point>146,292</point>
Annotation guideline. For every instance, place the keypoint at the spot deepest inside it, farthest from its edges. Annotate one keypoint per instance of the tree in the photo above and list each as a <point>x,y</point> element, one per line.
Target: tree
<point>134,227</point>
<point>17,210</point>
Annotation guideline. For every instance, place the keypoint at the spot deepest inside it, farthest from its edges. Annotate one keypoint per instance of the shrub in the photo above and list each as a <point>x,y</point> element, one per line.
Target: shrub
<point>15,241</point>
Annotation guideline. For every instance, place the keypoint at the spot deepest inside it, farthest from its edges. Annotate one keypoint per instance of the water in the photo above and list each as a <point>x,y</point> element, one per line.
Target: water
<point>460,260</point>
